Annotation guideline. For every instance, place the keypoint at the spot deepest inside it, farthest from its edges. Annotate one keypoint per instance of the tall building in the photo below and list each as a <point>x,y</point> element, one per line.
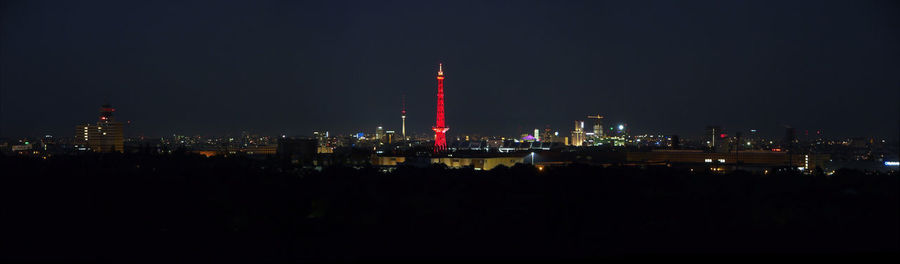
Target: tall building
<point>790,138</point>
<point>379,133</point>
<point>440,128</point>
<point>537,134</point>
<point>578,133</point>
<point>388,137</point>
<point>549,136</point>
<point>598,125</point>
<point>104,136</point>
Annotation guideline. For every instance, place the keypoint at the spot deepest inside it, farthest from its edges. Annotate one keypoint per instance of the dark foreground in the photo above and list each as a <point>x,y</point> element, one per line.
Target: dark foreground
<point>190,208</point>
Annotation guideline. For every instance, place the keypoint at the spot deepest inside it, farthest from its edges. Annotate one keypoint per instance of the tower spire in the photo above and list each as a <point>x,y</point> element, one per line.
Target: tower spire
<point>440,128</point>
<point>403,115</point>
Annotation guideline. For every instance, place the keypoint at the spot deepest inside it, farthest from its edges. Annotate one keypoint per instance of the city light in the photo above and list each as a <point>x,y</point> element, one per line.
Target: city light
<point>892,163</point>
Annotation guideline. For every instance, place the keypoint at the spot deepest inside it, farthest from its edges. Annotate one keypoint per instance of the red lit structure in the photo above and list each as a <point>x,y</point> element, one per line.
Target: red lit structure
<point>440,128</point>
<point>106,112</point>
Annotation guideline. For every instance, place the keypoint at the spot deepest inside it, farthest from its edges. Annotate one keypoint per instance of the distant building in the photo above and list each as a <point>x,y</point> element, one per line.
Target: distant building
<point>379,133</point>
<point>761,161</point>
<point>475,161</point>
<point>578,133</point>
<point>388,137</point>
<point>104,136</point>
<point>598,125</point>
<point>323,144</point>
<point>790,137</point>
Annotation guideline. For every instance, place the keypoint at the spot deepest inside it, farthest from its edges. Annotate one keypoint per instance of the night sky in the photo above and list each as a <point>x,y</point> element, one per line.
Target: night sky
<point>287,67</point>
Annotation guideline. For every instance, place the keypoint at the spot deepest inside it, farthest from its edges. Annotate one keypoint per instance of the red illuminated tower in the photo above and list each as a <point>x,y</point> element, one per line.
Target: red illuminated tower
<point>440,128</point>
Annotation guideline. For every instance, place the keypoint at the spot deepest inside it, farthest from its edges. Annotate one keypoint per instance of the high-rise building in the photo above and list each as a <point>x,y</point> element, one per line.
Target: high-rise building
<point>104,136</point>
<point>548,136</point>
<point>440,127</point>
<point>598,125</point>
<point>578,133</point>
<point>537,134</point>
<point>379,133</point>
<point>388,137</point>
<point>790,138</point>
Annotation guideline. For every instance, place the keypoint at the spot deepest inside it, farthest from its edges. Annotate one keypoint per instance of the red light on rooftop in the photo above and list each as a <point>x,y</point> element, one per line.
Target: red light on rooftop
<point>723,135</point>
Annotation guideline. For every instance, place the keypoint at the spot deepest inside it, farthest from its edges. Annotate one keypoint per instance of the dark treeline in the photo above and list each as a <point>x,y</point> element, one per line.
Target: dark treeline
<point>187,207</point>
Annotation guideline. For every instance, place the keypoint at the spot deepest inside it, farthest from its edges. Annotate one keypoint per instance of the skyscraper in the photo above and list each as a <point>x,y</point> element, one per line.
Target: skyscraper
<point>578,133</point>
<point>104,136</point>
<point>440,128</point>
<point>598,125</point>
<point>379,133</point>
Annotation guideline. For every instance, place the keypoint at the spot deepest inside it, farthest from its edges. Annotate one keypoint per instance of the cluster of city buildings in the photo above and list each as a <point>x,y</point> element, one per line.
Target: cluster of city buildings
<point>716,150</point>
<point>600,145</point>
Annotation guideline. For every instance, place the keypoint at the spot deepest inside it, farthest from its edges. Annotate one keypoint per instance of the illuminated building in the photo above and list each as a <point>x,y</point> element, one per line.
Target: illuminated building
<point>578,133</point>
<point>549,136</point>
<point>104,136</point>
<point>379,133</point>
<point>598,125</point>
<point>322,142</point>
<point>537,134</point>
<point>440,128</point>
<point>474,161</point>
<point>388,137</point>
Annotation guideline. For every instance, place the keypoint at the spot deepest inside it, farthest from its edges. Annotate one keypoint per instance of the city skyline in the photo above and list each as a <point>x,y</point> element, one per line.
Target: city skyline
<point>214,69</point>
<point>582,130</point>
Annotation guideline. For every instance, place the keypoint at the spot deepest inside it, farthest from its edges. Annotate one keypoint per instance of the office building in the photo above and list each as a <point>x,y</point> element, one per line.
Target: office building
<point>104,136</point>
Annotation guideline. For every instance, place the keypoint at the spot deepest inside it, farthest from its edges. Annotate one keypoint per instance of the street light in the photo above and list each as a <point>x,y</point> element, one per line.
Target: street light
<point>532,158</point>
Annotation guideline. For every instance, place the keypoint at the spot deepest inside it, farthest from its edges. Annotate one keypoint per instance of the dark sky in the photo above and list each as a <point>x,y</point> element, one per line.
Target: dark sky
<point>673,67</point>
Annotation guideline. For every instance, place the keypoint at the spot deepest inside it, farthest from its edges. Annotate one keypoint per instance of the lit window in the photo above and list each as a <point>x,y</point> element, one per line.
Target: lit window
<point>721,160</point>
<point>708,160</point>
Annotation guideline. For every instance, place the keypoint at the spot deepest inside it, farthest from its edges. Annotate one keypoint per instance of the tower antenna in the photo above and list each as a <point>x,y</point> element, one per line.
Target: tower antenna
<point>440,128</point>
